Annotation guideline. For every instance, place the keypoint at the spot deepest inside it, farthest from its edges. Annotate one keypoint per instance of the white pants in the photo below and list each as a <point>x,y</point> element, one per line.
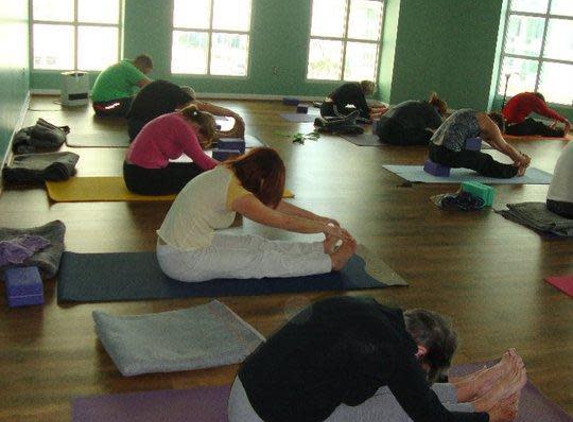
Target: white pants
<point>382,407</point>
<point>244,256</point>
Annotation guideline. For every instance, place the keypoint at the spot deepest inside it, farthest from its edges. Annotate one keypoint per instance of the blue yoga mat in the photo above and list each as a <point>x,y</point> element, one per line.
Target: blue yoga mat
<point>136,276</point>
<point>532,176</point>
<point>299,117</point>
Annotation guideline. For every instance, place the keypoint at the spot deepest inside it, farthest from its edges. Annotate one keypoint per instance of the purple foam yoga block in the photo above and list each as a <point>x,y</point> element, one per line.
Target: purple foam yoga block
<point>24,286</point>
<point>290,101</point>
<point>473,144</point>
<point>224,154</point>
<point>232,143</point>
<point>436,169</point>
<point>302,109</point>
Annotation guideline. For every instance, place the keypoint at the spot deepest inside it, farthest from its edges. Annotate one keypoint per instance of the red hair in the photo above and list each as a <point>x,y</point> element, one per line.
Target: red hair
<point>262,172</point>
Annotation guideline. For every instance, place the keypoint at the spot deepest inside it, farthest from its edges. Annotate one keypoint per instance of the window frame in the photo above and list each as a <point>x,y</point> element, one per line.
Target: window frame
<point>539,59</point>
<point>210,32</point>
<point>345,40</point>
<point>75,24</point>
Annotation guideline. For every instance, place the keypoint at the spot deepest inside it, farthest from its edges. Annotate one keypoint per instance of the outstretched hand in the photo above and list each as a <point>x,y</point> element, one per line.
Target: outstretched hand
<point>338,232</point>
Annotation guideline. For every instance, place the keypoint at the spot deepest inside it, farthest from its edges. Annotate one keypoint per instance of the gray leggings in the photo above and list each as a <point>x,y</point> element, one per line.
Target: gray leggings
<point>382,407</point>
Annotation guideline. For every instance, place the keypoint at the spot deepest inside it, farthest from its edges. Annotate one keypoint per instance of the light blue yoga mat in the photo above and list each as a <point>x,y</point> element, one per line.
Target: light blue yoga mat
<point>299,117</point>
<point>532,176</point>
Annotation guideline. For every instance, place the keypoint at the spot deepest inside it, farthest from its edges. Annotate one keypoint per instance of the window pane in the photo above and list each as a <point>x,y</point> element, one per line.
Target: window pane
<point>360,62</point>
<point>192,14</point>
<point>328,18</point>
<point>562,7</point>
<point>53,10</point>
<point>101,11</point>
<point>97,47</point>
<point>189,52</point>
<point>229,54</point>
<point>532,6</point>
<point>559,40</point>
<point>524,35</point>
<point>522,74</point>
<point>556,83</point>
<point>365,19</point>
<point>324,60</point>
<point>53,47</point>
<point>232,15</point>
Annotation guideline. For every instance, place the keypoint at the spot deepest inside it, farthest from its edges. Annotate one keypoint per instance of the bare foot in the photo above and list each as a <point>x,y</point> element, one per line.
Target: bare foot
<point>341,256</point>
<point>485,380</point>
<point>329,244</point>
<point>510,383</point>
<point>505,410</point>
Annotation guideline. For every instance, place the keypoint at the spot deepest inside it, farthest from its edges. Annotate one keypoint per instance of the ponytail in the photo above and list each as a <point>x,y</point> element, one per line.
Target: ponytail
<point>438,103</point>
<point>204,121</point>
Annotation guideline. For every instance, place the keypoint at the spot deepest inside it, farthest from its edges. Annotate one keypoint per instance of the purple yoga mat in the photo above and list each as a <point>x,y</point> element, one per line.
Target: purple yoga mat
<point>533,406</point>
<point>209,404</point>
<point>200,404</point>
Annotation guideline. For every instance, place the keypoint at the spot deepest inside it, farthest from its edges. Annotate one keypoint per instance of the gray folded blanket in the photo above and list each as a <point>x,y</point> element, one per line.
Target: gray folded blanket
<point>37,168</point>
<point>46,258</point>
<point>536,216</point>
<point>201,337</point>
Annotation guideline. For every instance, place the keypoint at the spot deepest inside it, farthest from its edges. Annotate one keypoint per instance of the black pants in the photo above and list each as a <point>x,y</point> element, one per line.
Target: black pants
<point>134,126</point>
<point>564,209</point>
<point>392,132</point>
<point>113,108</point>
<point>328,109</point>
<point>484,164</point>
<point>533,127</point>
<point>165,181</point>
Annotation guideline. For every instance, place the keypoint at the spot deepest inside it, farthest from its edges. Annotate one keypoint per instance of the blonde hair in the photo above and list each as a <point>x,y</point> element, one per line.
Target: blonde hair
<point>368,87</point>
<point>437,102</point>
<point>204,121</point>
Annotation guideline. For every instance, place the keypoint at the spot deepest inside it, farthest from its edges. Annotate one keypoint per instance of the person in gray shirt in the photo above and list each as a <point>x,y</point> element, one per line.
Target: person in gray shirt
<point>447,146</point>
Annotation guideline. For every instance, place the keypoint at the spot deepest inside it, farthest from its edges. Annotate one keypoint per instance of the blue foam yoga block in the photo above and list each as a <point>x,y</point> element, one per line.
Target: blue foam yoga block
<point>436,169</point>
<point>473,144</point>
<point>232,144</point>
<point>224,154</point>
<point>24,286</point>
<point>485,192</point>
<point>290,101</point>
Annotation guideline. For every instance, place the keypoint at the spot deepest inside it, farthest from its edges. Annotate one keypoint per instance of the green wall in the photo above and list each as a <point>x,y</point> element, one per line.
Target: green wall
<point>438,45</point>
<point>14,70</point>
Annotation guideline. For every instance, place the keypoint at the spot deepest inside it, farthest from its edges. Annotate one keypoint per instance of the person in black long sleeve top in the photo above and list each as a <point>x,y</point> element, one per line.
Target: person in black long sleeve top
<point>350,93</point>
<point>331,360</point>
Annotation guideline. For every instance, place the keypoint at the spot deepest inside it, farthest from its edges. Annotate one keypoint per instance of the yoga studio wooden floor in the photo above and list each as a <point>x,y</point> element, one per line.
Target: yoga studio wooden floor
<point>482,270</point>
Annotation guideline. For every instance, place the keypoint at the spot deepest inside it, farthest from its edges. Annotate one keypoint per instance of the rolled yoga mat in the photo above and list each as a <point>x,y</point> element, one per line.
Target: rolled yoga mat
<point>209,404</point>
<point>137,276</point>
<point>533,176</point>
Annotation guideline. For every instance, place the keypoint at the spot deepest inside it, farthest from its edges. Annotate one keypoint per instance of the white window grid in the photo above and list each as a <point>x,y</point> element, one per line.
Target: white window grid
<point>75,23</point>
<point>345,40</point>
<point>209,31</point>
<point>539,58</point>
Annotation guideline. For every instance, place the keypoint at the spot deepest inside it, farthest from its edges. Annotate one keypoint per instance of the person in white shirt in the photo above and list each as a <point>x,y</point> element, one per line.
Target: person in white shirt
<point>560,194</point>
<point>193,247</point>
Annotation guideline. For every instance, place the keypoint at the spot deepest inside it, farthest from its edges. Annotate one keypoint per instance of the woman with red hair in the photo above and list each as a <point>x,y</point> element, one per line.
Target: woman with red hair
<point>193,247</point>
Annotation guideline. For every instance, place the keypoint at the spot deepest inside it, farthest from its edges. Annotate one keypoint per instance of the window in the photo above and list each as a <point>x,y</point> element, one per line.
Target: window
<point>345,39</point>
<point>538,49</point>
<point>211,37</point>
<point>75,34</point>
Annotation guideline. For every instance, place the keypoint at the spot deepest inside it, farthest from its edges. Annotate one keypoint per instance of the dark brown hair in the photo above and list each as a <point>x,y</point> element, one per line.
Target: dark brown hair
<point>262,172</point>
<point>498,120</point>
<point>205,121</point>
<point>437,102</point>
<point>143,60</point>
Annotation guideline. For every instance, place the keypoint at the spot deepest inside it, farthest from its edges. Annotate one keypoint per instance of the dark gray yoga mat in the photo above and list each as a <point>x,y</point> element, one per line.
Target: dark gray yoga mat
<point>136,276</point>
<point>364,140</point>
<point>299,117</point>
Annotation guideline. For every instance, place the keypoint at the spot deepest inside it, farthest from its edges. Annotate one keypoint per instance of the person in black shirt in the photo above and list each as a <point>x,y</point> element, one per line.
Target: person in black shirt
<point>162,97</point>
<point>350,93</point>
<point>411,122</point>
<point>352,359</point>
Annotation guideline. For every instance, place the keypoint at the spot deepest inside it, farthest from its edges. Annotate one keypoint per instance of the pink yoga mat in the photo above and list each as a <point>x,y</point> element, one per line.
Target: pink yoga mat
<point>563,283</point>
<point>209,404</point>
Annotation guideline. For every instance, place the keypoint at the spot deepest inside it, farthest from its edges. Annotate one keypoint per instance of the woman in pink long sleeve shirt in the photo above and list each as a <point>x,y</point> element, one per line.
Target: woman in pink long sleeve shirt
<point>147,169</point>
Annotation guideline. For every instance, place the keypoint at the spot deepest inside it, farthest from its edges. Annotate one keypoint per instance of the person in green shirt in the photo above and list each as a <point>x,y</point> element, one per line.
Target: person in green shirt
<point>112,92</point>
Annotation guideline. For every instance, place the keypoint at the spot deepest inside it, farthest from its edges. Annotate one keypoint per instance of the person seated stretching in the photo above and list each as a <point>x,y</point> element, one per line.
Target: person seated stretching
<point>411,122</point>
<point>147,169</point>
<point>112,92</point>
<point>560,194</point>
<point>161,97</point>
<point>350,93</point>
<point>447,146</point>
<point>348,358</point>
<point>520,106</point>
<point>193,247</point>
